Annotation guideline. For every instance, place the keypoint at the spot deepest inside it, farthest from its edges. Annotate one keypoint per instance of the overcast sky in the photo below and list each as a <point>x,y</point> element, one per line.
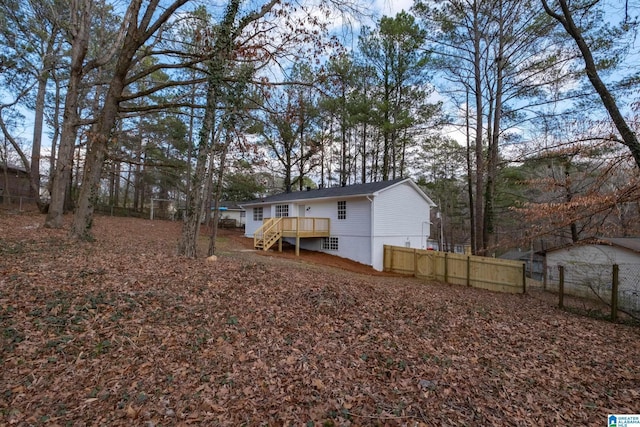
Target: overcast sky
<point>391,7</point>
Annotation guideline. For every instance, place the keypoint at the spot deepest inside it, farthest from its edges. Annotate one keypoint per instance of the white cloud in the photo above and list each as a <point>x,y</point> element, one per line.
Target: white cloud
<point>392,7</point>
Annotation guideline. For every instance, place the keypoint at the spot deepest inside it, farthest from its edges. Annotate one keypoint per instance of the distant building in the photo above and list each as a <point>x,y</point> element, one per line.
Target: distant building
<point>14,182</point>
<point>231,214</point>
<point>534,262</point>
<point>588,269</point>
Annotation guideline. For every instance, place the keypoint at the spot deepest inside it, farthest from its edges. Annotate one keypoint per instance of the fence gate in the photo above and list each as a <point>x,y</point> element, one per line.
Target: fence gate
<point>480,272</point>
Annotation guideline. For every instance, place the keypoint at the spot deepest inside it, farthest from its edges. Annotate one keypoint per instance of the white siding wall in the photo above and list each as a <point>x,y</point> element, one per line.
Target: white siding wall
<point>268,211</point>
<point>251,225</point>
<point>401,218</point>
<point>352,232</point>
<point>590,266</point>
<point>593,254</point>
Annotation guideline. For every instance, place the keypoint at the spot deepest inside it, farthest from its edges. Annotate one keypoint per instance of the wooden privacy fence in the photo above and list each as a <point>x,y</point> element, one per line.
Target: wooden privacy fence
<point>479,272</point>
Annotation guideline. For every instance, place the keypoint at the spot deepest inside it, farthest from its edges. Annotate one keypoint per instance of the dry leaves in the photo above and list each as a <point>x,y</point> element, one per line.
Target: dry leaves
<point>123,332</point>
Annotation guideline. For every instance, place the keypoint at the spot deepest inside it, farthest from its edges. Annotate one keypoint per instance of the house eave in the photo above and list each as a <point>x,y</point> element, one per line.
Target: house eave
<point>413,185</point>
<point>299,197</point>
<point>309,199</point>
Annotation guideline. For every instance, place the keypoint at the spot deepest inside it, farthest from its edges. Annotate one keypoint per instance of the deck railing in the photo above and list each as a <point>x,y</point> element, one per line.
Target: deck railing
<point>267,234</point>
<point>272,229</point>
<point>305,227</point>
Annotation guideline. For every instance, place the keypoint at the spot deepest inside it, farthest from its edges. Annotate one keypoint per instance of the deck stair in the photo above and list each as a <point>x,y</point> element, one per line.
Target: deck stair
<point>268,234</point>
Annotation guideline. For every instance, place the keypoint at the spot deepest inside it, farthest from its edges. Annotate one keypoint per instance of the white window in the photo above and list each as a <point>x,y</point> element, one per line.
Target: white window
<point>330,243</point>
<point>342,209</point>
<point>257,214</point>
<point>282,211</point>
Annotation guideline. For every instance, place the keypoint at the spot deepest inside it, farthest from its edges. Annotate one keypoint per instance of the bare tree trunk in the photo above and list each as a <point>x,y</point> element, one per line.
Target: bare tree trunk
<point>188,245</point>
<point>363,172</point>
<point>56,132</point>
<point>135,34</point>
<point>568,196</point>
<point>472,222</point>
<point>5,194</point>
<point>137,185</point>
<point>37,139</point>
<point>494,139</point>
<point>125,201</point>
<point>216,66</point>
<point>43,78</point>
<point>81,23</point>
<point>216,202</point>
<point>479,147</point>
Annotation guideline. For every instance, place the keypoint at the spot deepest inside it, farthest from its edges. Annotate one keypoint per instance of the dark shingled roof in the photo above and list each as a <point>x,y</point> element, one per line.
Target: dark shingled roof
<point>519,255</point>
<point>632,243</point>
<point>13,168</point>
<point>322,193</point>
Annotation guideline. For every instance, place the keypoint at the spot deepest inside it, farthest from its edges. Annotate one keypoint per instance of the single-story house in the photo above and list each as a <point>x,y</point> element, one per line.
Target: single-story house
<point>353,222</point>
<point>588,269</point>
<point>231,214</point>
<point>14,182</point>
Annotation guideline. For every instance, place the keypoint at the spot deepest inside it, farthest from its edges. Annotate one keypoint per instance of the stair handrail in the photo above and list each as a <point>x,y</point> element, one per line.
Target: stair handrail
<point>264,229</point>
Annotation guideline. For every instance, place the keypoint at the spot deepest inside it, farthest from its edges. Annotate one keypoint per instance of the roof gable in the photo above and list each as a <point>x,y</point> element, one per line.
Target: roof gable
<point>367,189</point>
<point>628,243</point>
<point>13,168</point>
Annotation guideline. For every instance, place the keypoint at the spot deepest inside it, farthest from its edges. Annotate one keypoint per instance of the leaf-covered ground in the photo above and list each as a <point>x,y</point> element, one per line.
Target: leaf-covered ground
<point>123,332</point>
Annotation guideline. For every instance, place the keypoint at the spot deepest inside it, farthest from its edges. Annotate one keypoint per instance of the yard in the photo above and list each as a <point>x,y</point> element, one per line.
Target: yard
<point>122,332</point>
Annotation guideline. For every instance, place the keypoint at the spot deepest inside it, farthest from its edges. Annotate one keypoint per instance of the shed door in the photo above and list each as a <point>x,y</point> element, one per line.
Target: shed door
<point>301,210</point>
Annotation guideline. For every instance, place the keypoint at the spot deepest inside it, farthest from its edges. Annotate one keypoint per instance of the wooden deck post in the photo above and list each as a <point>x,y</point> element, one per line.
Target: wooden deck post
<point>298,235</point>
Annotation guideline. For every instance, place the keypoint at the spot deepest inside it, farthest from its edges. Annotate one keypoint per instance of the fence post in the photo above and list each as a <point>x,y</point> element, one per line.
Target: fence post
<point>446,268</point>
<point>561,287</point>
<point>415,263</point>
<point>545,274</point>
<point>614,292</point>
<point>468,270</point>
<point>385,257</point>
<point>524,278</point>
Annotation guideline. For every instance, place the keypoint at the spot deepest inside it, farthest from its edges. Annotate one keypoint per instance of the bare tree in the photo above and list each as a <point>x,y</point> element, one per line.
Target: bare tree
<point>565,17</point>
<point>30,36</point>
<point>139,26</point>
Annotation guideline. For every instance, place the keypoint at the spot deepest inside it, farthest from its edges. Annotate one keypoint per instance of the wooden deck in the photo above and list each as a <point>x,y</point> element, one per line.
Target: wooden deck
<point>274,229</point>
